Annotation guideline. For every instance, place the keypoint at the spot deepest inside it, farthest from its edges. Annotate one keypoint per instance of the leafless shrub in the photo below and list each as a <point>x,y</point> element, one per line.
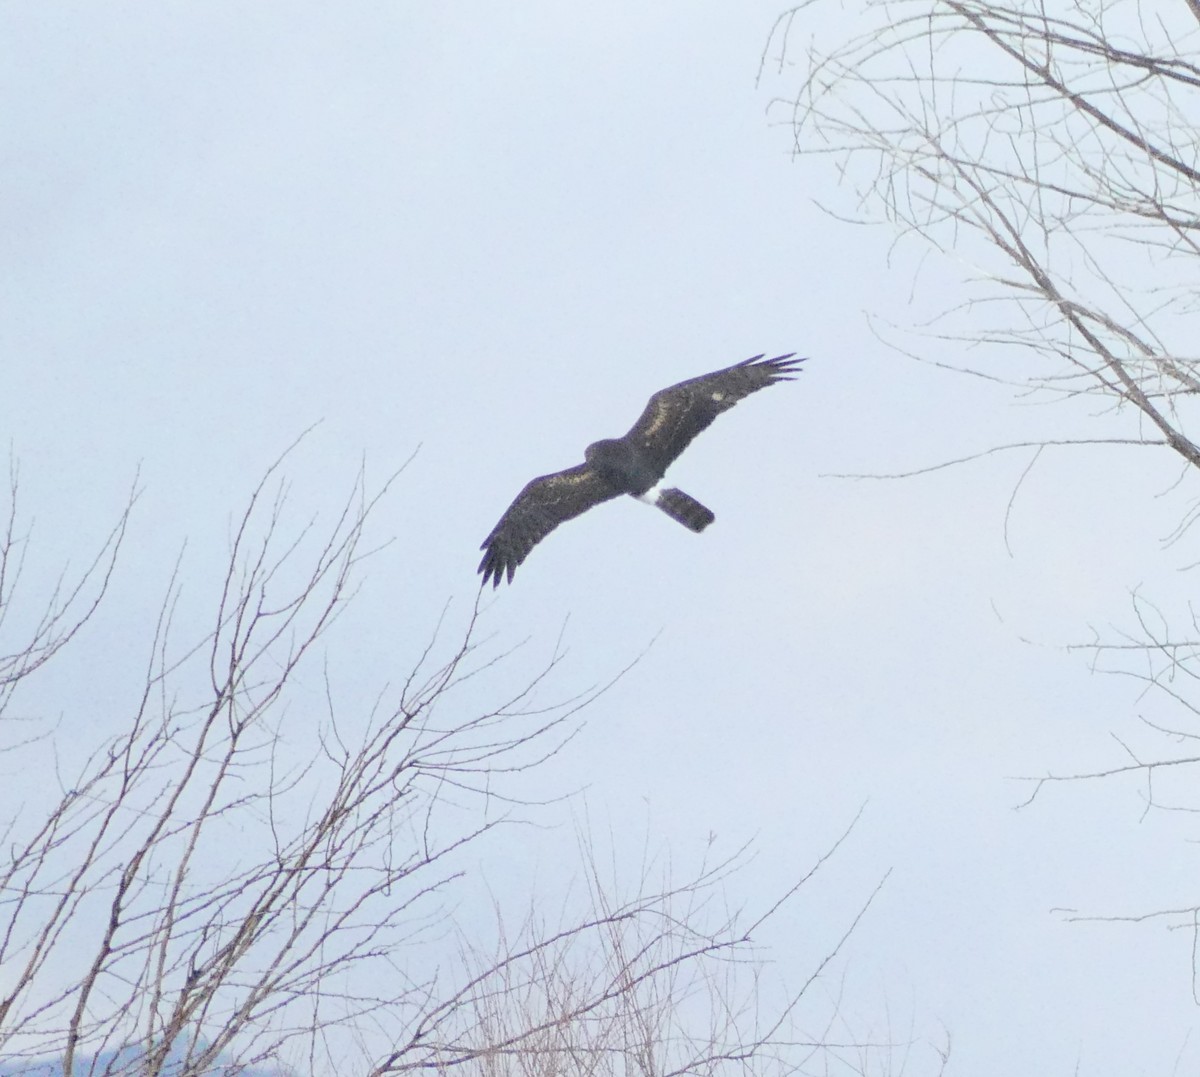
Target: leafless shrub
<point>668,980</point>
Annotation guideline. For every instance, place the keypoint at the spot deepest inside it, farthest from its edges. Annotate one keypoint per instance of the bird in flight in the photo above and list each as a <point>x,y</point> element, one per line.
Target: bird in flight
<point>632,464</point>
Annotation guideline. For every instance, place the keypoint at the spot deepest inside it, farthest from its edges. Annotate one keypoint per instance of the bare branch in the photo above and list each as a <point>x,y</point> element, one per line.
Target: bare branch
<point>262,863</point>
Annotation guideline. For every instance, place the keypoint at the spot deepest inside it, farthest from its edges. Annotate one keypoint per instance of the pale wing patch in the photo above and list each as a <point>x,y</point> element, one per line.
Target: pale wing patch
<point>661,414</point>
<point>718,396</point>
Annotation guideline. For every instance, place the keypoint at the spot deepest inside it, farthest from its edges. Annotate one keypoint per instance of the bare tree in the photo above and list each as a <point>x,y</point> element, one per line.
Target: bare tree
<point>258,868</point>
<point>1054,152</point>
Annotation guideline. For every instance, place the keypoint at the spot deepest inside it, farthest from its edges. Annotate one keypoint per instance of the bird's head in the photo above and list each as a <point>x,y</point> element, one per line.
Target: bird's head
<point>599,451</point>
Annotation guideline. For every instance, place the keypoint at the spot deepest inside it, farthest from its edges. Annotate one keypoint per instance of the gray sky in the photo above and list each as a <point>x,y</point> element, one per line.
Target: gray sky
<point>492,234</point>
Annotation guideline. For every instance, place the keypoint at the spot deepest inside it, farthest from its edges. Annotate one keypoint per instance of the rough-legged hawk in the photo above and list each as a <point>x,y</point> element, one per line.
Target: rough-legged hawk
<point>630,465</point>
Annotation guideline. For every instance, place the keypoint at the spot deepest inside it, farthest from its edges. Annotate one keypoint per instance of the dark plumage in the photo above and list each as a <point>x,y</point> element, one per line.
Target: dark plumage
<point>632,464</point>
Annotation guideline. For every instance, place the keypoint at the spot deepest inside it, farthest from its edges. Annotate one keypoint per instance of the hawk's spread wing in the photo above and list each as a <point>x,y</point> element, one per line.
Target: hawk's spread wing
<point>676,415</point>
<point>537,510</point>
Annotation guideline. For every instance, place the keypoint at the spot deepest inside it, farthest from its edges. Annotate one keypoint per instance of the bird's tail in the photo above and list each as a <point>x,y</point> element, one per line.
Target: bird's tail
<point>684,508</point>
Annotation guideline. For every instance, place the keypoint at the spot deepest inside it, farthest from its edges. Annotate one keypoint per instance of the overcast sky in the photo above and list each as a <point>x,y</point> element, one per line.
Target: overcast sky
<point>489,233</point>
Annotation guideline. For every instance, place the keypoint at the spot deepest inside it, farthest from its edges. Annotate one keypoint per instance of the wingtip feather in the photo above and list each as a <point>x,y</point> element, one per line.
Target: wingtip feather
<point>785,367</point>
